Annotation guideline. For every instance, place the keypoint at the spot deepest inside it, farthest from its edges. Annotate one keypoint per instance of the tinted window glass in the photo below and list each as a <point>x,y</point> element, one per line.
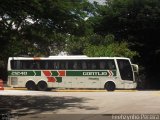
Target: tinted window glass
<point>107,65</point>
<point>63,64</point>
<point>125,69</point>
<point>15,64</point>
<point>28,64</point>
<point>74,64</point>
<point>84,65</point>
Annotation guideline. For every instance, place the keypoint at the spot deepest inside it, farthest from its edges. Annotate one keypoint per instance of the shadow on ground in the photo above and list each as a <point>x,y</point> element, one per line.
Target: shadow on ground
<point>24,105</point>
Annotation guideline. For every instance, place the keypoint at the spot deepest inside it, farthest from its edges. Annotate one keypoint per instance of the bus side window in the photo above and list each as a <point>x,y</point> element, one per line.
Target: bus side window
<point>25,64</point>
<point>84,65</point>
<point>66,65</point>
<point>50,64</point>
<point>44,65</point>
<point>70,64</point>
<point>35,65</point>
<point>62,65</point>
<point>56,65</point>
<point>15,64</point>
<point>111,64</point>
<point>102,65</point>
<point>89,64</point>
<point>75,65</point>
<point>79,65</point>
<point>94,65</point>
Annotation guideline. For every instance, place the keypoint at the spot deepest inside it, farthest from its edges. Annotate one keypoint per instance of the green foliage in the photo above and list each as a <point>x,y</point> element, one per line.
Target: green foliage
<point>97,45</point>
<point>75,45</point>
<point>136,22</point>
<point>40,28</point>
<point>111,49</point>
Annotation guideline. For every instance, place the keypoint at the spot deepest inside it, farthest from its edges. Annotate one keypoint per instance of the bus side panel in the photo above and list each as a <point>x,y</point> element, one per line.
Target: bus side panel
<point>20,81</point>
<point>80,82</point>
<point>66,82</point>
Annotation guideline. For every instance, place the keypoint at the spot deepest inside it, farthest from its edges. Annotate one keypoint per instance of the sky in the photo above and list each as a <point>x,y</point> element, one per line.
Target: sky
<point>100,1</point>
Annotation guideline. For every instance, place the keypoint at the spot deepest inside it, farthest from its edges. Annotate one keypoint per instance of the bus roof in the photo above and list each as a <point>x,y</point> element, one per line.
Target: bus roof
<point>73,57</point>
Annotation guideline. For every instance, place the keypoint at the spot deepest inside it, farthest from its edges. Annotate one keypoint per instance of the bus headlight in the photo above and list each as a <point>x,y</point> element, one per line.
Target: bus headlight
<point>14,81</point>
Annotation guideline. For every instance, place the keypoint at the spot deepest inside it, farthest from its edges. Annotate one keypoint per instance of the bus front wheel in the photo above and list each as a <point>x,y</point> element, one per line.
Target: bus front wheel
<point>42,86</point>
<point>30,85</point>
<point>110,86</point>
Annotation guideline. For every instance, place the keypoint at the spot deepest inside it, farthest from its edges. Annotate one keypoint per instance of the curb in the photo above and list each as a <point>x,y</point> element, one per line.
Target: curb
<point>9,88</point>
<point>79,91</point>
<point>72,90</point>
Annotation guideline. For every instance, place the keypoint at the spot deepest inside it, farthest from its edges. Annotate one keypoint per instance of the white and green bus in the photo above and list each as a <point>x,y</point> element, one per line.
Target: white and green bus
<point>43,73</point>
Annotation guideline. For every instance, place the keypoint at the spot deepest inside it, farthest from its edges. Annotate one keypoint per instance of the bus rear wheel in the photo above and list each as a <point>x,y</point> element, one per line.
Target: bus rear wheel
<point>42,86</point>
<point>110,86</point>
<point>30,85</point>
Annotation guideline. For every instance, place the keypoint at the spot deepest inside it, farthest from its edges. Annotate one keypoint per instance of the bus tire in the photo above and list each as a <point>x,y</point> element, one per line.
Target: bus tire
<point>30,85</point>
<point>42,86</point>
<point>110,86</point>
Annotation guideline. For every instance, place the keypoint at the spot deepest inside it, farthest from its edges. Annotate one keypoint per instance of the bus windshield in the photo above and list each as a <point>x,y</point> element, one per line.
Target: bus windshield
<point>125,69</point>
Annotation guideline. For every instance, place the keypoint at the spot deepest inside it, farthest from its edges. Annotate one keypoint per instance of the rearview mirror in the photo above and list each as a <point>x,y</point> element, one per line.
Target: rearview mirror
<point>135,67</point>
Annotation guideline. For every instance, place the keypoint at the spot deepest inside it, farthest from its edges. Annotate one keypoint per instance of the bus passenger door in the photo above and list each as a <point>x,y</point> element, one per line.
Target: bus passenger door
<point>126,73</point>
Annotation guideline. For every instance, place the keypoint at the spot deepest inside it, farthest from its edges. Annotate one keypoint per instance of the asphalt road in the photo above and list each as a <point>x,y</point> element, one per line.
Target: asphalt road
<point>37,105</point>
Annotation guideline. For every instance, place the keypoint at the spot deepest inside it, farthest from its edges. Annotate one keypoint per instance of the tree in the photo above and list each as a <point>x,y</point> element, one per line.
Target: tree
<point>40,27</point>
<point>136,21</point>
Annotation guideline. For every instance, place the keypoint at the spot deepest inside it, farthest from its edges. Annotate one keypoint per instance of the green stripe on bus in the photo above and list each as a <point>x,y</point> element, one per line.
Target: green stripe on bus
<point>90,73</point>
<point>38,73</point>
